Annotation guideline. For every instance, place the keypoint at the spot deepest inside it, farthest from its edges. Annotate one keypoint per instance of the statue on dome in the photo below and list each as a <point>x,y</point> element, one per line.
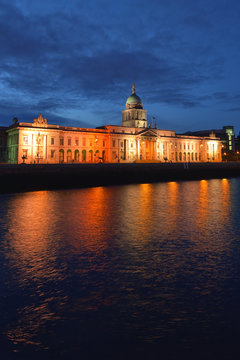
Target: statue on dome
<point>133,88</point>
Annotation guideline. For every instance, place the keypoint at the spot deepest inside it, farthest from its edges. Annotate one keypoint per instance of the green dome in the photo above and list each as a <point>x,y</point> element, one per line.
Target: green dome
<point>134,99</point>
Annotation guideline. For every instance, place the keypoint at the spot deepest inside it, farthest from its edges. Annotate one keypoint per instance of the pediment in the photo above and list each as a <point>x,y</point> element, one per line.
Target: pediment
<point>148,132</point>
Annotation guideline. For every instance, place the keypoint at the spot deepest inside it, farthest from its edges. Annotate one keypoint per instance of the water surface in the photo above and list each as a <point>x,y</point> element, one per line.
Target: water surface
<point>136,271</point>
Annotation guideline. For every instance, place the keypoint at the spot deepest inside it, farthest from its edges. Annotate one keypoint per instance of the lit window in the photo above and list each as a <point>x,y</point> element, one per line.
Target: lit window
<point>25,140</point>
<point>131,145</point>
<point>114,155</point>
<point>25,153</point>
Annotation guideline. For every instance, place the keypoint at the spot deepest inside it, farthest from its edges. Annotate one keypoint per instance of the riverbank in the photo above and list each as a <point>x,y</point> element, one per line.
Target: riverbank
<point>15,178</point>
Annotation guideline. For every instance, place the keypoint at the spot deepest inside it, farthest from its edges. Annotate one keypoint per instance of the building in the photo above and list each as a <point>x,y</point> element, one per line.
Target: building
<point>133,141</point>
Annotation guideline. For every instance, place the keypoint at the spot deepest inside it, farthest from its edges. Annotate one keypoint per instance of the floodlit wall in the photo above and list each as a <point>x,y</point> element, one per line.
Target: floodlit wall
<point>51,144</point>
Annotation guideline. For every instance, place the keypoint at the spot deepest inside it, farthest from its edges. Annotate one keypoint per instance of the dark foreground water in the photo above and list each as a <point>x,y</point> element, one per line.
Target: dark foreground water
<point>128,272</point>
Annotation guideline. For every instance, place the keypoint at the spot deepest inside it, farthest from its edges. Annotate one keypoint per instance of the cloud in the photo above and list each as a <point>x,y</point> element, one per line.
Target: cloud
<point>58,57</point>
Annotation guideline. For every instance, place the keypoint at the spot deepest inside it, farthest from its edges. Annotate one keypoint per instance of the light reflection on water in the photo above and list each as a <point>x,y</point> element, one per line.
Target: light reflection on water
<point>150,267</point>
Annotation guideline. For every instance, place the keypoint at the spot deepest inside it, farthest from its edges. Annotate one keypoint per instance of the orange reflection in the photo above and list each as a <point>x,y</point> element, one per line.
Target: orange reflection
<point>203,208</point>
<point>173,198</point>
<point>135,214</point>
<point>213,214</point>
<point>89,219</point>
<point>32,218</point>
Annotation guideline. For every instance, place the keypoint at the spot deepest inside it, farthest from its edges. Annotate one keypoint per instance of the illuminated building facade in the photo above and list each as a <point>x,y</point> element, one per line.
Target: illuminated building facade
<point>133,141</point>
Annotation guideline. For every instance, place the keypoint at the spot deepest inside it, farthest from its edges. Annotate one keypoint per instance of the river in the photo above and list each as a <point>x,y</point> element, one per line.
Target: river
<point>143,271</point>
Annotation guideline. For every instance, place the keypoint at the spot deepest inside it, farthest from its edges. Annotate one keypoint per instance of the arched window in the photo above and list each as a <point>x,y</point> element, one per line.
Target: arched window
<point>180,156</point>
<point>61,156</point>
<point>97,155</point>
<point>76,155</point>
<point>91,155</point>
<point>184,156</point>
<point>69,156</point>
<point>84,155</point>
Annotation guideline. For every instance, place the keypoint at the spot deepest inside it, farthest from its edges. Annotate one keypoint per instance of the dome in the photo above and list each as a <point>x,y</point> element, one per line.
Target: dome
<point>134,101</point>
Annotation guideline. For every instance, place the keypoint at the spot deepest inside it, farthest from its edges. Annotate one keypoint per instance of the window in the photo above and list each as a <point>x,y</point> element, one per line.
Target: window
<point>69,156</point>
<point>90,143</point>
<point>91,155</point>
<point>131,145</point>
<point>76,155</point>
<point>114,155</point>
<point>69,142</point>
<point>61,141</point>
<point>113,143</point>
<point>25,153</point>
<point>122,144</point>
<point>103,143</point>
<point>61,156</point>
<point>52,154</point>
<point>84,142</point>
<point>76,142</point>
<point>25,140</point>
<point>52,141</point>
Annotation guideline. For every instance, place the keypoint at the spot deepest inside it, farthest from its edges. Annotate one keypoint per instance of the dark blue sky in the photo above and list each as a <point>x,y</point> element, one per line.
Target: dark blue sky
<point>75,61</point>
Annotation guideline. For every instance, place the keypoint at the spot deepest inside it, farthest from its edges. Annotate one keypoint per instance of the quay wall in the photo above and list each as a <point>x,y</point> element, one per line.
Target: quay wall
<point>15,178</point>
